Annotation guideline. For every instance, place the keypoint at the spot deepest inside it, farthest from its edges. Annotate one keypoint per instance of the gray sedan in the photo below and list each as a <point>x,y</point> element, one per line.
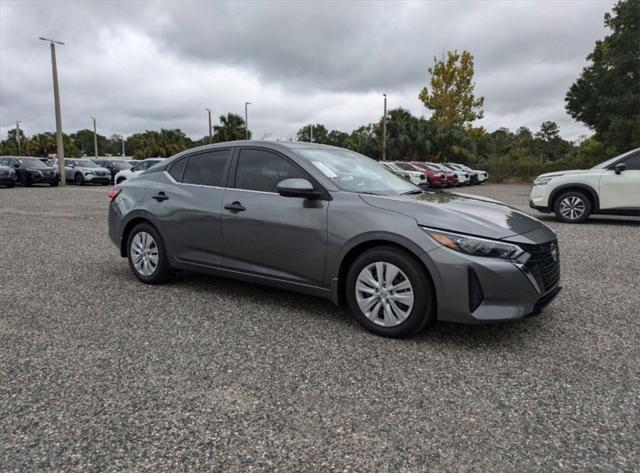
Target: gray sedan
<point>332,223</point>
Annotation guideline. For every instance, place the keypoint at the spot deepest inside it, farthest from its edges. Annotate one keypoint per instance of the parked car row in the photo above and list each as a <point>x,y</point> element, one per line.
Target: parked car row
<point>436,175</point>
<point>26,171</point>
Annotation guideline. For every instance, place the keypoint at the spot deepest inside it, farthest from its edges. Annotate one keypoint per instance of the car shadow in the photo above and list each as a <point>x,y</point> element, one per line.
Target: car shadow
<point>596,220</point>
<point>444,333</point>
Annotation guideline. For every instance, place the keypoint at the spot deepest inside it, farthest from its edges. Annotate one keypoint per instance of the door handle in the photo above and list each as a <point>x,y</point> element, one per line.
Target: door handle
<point>160,196</point>
<point>235,207</point>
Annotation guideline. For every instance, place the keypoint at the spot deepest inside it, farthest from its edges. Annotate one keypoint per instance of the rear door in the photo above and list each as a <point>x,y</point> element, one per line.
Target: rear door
<point>265,233</point>
<point>187,201</point>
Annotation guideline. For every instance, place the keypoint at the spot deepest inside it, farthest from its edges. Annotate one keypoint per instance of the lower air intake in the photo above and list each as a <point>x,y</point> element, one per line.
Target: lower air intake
<point>476,295</point>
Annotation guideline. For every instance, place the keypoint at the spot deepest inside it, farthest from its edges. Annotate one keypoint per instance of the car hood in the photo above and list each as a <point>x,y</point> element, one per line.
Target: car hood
<point>463,214</point>
<point>41,169</point>
<point>564,173</point>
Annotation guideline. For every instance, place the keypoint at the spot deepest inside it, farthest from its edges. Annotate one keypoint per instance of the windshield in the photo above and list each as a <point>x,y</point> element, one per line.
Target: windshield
<point>32,163</point>
<point>85,163</point>
<point>609,162</point>
<point>120,165</point>
<point>353,172</point>
<point>144,165</point>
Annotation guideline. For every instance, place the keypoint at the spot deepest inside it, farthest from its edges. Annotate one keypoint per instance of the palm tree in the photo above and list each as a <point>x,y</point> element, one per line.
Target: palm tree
<point>231,128</point>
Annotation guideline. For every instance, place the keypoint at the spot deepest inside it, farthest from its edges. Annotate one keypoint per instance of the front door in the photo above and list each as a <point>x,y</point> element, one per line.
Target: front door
<point>267,234</point>
<point>621,191</point>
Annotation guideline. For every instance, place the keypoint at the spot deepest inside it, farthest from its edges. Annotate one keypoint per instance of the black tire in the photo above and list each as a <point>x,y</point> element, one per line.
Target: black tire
<point>163,272</point>
<point>121,180</point>
<point>78,180</point>
<point>54,184</point>
<point>576,200</point>
<point>423,310</point>
<point>11,185</point>
<point>23,180</point>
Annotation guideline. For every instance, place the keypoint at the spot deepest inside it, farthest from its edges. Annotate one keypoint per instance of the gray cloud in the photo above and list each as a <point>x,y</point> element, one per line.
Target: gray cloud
<point>146,65</point>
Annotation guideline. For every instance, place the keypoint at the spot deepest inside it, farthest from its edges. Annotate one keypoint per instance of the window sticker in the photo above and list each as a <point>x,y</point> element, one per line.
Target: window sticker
<point>324,169</point>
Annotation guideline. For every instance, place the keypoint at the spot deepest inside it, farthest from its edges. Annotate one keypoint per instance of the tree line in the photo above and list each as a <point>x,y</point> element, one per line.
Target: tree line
<point>605,97</point>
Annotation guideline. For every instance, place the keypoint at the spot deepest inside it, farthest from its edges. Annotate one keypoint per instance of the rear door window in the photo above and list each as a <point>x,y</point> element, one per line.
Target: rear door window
<point>207,169</point>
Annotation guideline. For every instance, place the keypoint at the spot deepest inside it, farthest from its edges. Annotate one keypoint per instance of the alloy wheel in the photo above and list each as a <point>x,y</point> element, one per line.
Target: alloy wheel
<point>384,294</point>
<point>144,253</point>
<point>572,207</point>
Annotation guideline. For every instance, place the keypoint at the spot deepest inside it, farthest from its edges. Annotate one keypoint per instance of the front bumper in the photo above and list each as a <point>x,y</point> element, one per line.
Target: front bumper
<point>97,179</point>
<point>44,179</point>
<point>539,208</point>
<point>506,293</point>
<point>8,180</point>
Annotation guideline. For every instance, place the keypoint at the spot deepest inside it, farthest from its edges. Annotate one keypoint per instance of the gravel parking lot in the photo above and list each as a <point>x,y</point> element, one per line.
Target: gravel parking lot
<point>101,373</point>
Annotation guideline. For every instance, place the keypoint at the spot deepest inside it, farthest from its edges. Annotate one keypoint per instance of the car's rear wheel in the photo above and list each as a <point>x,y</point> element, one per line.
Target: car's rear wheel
<point>390,293</point>
<point>147,255</point>
<point>572,207</point>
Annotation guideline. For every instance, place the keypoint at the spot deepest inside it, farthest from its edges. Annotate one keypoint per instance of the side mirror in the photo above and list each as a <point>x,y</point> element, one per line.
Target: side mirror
<point>297,188</point>
<point>618,168</point>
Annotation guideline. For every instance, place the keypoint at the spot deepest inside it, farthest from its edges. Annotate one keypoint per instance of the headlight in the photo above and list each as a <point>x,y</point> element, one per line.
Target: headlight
<point>542,181</point>
<point>88,173</point>
<point>475,246</point>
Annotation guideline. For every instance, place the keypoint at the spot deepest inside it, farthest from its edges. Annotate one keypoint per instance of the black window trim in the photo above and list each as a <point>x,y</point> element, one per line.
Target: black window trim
<point>225,172</point>
<point>231,182</point>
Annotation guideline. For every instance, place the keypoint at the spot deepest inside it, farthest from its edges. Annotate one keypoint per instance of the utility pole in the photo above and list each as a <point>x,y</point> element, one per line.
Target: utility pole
<point>210,135</point>
<point>122,138</point>
<point>311,133</point>
<point>18,135</point>
<point>56,97</point>
<point>384,130</point>
<point>246,118</point>
<point>95,138</point>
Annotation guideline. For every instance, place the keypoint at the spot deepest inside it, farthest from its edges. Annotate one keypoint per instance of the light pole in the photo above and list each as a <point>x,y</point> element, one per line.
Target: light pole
<point>95,138</point>
<point>122,139</point>
<point>311,133</point>
<point>56,98</point>
<point>246,118</point>
<point>18,135</point>
<point>210,135</point>
<point>384,130</point>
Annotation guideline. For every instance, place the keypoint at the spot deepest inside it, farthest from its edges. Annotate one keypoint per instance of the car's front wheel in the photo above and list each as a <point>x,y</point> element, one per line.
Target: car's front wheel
<point>390,293</point>
<point>121,180</point>
<point>147,255</point>
<point>78,180</point>
<point>572,207</point>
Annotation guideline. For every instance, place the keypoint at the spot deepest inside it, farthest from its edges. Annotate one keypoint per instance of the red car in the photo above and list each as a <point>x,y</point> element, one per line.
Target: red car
<point>452,177</point>
<point>434,178</point>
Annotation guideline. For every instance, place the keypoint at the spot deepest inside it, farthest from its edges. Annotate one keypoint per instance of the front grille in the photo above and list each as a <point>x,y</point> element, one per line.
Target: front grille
<point>544,264</point>
<point>4,173</point>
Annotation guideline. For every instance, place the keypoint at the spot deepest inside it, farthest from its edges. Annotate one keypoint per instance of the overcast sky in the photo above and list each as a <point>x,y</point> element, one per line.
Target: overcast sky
<point>148,65</point>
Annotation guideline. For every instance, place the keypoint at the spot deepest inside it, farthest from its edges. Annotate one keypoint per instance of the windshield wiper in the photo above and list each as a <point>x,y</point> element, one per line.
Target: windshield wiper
<point>415,191</point>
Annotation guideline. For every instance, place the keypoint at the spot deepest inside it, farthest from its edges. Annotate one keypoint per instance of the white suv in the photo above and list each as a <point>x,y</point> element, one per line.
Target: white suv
<point>611,187</point>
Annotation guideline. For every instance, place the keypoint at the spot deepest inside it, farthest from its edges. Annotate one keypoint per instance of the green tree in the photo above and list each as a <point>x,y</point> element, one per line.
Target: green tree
<point>451,92</point>
<point>366,140</point>
<point>84,141</point>
<point>606,96</point>
<point>338,138</point>
<point>153,143</point>
<point>320,133</point>
<point>231,128</point>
